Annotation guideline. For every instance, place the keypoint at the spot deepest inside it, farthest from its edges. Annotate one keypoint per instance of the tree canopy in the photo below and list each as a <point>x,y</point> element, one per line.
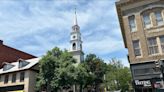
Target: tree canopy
<point>118,77</point>
<point>96,69</point>
<point>56,70</point>
<point>59,71</point>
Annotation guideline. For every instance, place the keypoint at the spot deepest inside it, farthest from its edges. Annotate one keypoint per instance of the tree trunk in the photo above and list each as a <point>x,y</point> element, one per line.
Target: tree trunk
<point>81,88</point>
<point>96,88</point>
<point>48,88</point>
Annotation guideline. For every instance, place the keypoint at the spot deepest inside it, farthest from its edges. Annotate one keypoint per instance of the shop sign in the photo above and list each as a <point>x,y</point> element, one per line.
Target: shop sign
<point>145,83</point>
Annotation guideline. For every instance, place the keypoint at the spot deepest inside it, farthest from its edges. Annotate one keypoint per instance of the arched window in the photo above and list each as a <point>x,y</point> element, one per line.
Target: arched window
<point>147,20</point>
<point>152,16</point>
<point>159,18</point>
<point>74,46</point>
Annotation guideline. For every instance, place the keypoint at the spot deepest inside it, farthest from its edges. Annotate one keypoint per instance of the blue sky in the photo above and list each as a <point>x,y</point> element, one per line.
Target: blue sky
<point>35,26</point>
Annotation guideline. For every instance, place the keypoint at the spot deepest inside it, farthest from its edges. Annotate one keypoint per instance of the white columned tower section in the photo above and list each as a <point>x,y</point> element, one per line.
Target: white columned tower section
<point>76,42</point>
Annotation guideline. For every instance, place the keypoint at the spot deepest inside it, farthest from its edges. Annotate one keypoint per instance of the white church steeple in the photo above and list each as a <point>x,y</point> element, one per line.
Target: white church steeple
<point>76,42</point>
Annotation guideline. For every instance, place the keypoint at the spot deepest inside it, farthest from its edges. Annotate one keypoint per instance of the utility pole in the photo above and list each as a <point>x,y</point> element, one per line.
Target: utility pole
<point>105,83</point>
<point>74,88</point>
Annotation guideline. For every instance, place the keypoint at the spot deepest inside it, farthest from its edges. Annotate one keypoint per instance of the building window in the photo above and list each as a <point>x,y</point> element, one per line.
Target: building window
<point>22,75</point>
<point>132,23</point>
<point>153,47</point>
<point>74,46</point>
<point>6,79</point>
<point>136,47</point>
<point>162,43</point>
<point>23,63</point>
<point>159,18</point>
<point>14,78</point>
<point>146,20</point>
<point>7,67</point>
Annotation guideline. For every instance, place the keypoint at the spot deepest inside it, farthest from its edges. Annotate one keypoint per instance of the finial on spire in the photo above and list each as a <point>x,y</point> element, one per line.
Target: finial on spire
<point>75,18</point>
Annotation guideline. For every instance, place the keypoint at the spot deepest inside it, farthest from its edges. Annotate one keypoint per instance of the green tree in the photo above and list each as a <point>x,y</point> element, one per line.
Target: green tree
<point>82,76</point>
<point>118,77</point>
<point>57,71</point>
<point>96,69</point>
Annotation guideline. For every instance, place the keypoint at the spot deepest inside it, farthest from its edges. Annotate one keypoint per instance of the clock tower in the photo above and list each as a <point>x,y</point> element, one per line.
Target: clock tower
<point>76,42</point>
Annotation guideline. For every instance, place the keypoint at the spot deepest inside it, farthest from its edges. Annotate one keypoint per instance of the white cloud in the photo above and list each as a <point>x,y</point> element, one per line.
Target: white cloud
<point>48,24</point>
<point>104,46</point>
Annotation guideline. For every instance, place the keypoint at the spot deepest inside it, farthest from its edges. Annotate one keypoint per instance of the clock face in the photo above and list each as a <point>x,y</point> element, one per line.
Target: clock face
<point>74,37</point>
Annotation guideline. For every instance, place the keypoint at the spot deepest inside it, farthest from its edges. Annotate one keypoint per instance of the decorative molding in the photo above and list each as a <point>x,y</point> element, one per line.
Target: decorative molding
<point>150,7</point>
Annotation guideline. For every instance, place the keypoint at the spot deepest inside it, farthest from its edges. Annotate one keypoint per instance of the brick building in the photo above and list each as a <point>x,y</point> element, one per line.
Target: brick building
<point>142,27</point>
<point>9,54</point>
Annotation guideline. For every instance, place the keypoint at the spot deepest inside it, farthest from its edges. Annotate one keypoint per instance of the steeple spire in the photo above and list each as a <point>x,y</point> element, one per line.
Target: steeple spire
<point>76,42</point>
<point>75,18</point>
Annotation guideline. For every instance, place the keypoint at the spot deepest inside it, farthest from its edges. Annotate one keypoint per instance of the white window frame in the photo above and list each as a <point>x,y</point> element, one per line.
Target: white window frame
<point>137,49</point>
<point>147,24</point>
<point>162,44</point>
<point>153,47</point>
<point>160,20</point>
<point>132,23</point>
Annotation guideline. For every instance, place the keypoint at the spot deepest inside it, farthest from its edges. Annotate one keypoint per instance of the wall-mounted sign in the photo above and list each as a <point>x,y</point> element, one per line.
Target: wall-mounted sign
<point>145,83</point>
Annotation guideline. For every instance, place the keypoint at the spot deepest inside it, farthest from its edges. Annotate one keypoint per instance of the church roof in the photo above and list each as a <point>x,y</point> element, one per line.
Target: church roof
<point>9,54</point>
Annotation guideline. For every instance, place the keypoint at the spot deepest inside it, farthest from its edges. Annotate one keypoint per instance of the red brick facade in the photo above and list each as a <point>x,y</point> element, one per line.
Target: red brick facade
<point>8,54</point>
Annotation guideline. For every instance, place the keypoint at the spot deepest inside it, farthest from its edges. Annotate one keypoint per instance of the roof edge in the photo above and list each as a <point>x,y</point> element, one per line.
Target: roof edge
<point>20,51</point>
<point>119,13</point>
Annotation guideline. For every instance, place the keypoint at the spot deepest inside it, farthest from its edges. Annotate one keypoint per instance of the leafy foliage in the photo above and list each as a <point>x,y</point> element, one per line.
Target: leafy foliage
<point>96,69</point>
<point>82,76</point>
<point>118,77</point>
<point>56,70</point>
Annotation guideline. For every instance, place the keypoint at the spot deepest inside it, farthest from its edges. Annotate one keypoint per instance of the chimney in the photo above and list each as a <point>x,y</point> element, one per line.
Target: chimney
<point>1,42</point>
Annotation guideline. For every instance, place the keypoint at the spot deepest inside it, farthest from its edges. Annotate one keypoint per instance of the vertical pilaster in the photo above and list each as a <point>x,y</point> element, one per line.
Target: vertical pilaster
<point>26,82</point>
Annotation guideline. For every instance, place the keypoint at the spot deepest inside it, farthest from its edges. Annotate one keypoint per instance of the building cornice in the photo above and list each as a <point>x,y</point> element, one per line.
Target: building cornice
<point>118,8</point>
<point>77,51</point>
